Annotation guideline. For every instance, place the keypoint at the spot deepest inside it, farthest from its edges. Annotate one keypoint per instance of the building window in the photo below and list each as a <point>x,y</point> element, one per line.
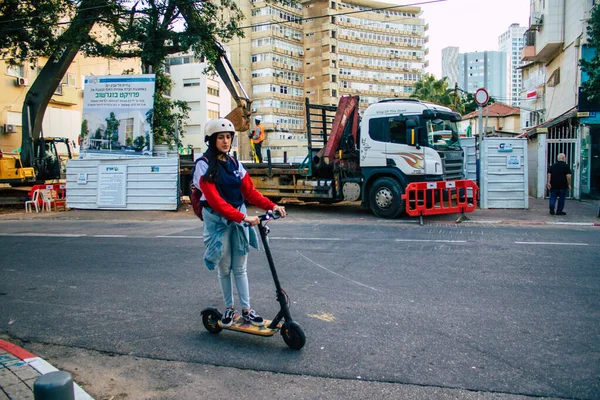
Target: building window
<point>191,82</point>
<point>212,114</point>
<point>69,80</point>
<point>212,91</point>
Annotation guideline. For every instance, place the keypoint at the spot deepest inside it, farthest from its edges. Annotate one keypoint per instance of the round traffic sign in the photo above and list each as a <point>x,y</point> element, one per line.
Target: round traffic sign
<point>481,97</point>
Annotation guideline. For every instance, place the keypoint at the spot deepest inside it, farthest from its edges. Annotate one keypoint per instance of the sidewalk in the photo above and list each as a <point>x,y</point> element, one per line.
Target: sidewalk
<point>579,213</point>
<point>18,371</point>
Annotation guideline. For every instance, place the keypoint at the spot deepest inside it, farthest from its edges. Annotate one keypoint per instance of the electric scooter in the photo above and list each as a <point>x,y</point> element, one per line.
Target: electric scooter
<point>292,334</point>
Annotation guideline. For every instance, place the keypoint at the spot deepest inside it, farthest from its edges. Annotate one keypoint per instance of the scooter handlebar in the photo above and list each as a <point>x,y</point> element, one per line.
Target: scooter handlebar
<point>267,217</point>
<point>270,215</point>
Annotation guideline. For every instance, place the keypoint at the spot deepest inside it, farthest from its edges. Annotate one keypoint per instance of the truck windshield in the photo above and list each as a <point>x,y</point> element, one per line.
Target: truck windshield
<point>442,134</point>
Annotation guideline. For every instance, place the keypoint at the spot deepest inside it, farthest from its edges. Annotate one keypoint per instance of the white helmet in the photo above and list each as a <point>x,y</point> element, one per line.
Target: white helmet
<point>217,125</point>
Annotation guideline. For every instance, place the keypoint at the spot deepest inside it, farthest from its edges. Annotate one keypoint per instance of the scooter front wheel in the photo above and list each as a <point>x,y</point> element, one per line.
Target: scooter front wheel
<point>293,335</point>
<point>210,320</point>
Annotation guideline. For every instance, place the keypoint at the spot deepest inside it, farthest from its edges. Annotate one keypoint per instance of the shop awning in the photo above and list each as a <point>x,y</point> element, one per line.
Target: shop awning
<point>543,127</point>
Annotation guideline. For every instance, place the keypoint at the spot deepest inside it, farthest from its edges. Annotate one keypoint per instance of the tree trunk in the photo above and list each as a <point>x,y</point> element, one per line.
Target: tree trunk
<point>44,86</point>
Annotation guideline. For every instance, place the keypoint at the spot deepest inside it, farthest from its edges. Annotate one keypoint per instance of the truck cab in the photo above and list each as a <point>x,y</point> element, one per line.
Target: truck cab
<point>419,139</point>
<point>404,141</point>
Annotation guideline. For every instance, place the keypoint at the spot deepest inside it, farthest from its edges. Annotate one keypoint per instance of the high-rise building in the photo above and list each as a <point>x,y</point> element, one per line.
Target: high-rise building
<point>486,69</point>
<point>323,49</point>
<point>450,65</point>
<point>511,42</point>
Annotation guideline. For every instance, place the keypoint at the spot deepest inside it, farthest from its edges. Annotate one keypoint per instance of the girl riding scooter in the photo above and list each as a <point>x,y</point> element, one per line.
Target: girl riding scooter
<point>225,185</point>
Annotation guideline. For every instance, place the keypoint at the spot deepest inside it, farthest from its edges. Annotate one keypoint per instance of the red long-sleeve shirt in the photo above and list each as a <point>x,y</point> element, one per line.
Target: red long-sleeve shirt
<point>211,194</point>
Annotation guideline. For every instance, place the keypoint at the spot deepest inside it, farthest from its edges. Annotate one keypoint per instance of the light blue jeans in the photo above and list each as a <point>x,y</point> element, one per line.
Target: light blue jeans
<point>231,262</point>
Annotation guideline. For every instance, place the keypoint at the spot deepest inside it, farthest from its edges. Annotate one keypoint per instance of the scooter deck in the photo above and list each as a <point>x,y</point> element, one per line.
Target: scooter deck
<point>241,325</point>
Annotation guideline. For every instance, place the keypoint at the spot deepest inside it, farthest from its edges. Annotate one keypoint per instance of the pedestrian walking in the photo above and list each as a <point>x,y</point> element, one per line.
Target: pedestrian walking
<point>258,138</point>
<point>225,185</point>
<point>559,181</point>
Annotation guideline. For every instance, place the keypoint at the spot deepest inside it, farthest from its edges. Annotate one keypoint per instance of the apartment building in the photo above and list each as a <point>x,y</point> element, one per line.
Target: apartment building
<point>556,116</point>
<point>511,42</point>
<point>485,69</point>
<point>323,49</point>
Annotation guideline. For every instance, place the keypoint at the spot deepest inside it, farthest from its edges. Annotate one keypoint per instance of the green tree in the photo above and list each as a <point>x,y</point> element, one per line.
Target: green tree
<point>147,30</point>
<point>152,36</point>
<point>129,141</point>
<point>38,28</point>
<point>591,87</point>
<point>437,91</point>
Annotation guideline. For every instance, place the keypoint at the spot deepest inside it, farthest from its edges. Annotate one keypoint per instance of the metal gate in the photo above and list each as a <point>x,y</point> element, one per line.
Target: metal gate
<point>563,139</point>
<point>503,174</point>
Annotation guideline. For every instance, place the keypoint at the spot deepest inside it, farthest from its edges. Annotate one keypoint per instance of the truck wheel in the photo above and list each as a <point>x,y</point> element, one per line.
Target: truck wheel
<point>385,198</point>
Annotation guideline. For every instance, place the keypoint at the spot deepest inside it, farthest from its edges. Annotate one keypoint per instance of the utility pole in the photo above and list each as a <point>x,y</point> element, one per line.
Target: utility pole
<point>455,94</point>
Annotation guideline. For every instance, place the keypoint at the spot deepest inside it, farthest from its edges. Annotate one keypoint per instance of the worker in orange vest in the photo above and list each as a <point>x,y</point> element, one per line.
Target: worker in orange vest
<point>257,138</point>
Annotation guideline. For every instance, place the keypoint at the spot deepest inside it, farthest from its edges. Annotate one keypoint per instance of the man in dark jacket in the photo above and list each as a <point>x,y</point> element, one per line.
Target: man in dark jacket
<point>559,181</point>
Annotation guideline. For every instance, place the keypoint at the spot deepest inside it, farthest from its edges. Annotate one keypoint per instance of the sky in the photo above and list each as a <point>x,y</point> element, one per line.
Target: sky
<point>471,25</point>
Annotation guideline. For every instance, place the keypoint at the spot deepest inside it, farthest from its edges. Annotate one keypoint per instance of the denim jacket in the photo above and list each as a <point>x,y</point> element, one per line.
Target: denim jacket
<point>214,228</point>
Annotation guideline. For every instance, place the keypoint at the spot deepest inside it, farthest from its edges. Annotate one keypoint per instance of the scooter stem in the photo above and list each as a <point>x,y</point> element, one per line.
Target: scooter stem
<point>284,311</point>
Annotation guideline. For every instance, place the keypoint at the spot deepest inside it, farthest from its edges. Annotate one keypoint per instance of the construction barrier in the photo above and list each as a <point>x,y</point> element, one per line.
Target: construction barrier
<point>59,188</point>
<point>444,197</point>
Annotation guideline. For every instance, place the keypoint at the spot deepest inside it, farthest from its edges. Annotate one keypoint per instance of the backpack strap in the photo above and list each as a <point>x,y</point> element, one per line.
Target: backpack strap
<point>235,161</point>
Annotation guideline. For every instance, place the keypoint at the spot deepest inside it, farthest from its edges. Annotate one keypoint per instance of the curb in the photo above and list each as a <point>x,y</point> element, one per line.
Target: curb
<point>38,364</point>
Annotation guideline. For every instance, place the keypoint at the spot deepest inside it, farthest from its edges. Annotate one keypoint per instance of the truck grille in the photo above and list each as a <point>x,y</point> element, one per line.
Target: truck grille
<point>453,163</point>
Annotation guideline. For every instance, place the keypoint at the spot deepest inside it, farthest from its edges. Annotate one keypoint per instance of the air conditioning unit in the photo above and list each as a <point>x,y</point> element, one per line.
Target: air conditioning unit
<point>254,110</point>
<point>301,53</point>
<point>10,128</point>
<point>20,81</point>
<point>536,19</point>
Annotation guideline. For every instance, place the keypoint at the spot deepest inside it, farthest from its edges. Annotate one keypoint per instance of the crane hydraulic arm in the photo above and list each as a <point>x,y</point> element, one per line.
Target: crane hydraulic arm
<point>347,112</point>
<point>239,116</point>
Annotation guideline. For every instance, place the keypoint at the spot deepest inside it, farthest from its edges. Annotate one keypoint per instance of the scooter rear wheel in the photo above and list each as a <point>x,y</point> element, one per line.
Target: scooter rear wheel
<point>210,320</point>
<point>293,335</point>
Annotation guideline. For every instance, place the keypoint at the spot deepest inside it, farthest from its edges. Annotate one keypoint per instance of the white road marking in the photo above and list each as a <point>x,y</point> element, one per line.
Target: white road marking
<point>431,240</point>
<point>180,237</point>
<point>335,273</point>
<point>34,234</point>
<point>554,243</point>
<point>110,236</point>
<point>308,238</point>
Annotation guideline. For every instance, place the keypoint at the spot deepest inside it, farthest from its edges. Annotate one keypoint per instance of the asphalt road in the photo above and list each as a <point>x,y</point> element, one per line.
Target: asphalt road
<point>490,309</point>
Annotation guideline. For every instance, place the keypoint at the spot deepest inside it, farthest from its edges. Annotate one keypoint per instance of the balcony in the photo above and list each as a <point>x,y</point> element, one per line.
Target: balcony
<point>548,51</point>
<point>528,53</point>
